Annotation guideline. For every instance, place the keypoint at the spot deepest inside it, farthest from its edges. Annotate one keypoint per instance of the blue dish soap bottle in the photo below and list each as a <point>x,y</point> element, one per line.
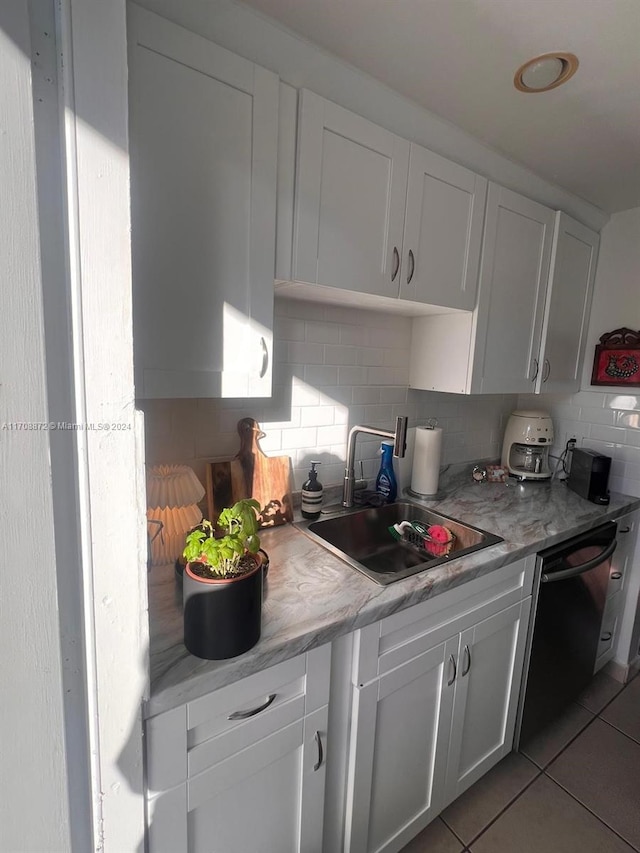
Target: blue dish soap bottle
<point>386,484</point>
<point>311,497</point>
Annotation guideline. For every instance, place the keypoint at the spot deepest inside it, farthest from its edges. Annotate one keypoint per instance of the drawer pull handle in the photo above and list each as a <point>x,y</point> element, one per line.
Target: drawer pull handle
<point>242,715</point>
<point>606,636</point>
<point>452,661</point>
<point>547,368</point>
<point>318,763</point>
<point>615,576</point>
<point>396,263</point>
<point>467,658</point>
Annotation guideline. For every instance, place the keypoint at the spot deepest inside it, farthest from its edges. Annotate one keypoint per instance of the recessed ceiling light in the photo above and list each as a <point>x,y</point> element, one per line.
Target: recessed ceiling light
<point>545,72</point>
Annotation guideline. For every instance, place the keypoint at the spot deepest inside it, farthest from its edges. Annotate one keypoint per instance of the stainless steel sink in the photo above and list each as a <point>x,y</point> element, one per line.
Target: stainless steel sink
<point>362,539</point>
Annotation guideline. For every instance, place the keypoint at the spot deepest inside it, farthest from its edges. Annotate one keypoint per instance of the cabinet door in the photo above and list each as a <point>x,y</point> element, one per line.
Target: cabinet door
<point>486,697</point>
<point>625,580</point>
<point>203,138</point>
<point>442,232</point>
<point>566,321</point>
<point>268,797</point>
<point>350,197</point>
<point>513,279</point>
<point>398,751</point>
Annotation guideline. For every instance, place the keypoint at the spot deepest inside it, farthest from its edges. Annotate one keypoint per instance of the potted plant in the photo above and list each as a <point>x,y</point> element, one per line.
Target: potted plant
<point>222,584</point>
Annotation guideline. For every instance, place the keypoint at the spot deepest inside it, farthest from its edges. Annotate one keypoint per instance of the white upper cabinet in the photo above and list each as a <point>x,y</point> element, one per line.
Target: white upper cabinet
<point>377,215</point>
<point>203,138</point>
<point>350,195</point>
<point>566,316</point>
<point>442,232</point>
<point>528,331</point>
<point>513,281</point>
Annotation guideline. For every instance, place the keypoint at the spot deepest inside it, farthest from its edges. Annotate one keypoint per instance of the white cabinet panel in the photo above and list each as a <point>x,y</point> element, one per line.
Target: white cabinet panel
<point>443,232</point>
<point>491,658</point>
<point>568,303</point>
<point>377,215</point>
<point>203,136</point>
<point>397,772</point>
<point>513,279</point>
<point>431,721</point>
<point>626,591</point>
<point>350,196</point>
<point>254,783</point>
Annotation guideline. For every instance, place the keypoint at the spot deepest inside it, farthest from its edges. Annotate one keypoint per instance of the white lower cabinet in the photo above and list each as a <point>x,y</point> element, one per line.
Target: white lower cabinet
<point>423,703</point>
<point>620,632</point>
<point>487,687</point>
<point>439,711</point>
<point>243,768</point>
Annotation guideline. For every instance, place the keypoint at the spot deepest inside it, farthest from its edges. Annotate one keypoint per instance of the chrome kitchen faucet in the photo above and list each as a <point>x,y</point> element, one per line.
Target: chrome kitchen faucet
<point>399,447</point>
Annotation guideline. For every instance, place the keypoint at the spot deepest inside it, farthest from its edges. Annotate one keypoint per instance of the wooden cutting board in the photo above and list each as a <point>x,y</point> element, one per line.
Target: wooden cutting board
<point>251,474</point>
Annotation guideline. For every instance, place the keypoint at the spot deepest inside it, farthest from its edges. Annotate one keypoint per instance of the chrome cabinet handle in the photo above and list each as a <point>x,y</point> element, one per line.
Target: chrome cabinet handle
<point>318,763</point>
<point>606,636</point>
<point>396,263</point>
<point>535,375</point>
<point>467,658</point>
<point>452,661</point>
<point>547,366</point>
<point>412,261</point>
<point>615,576</point>
<point>242,715</point>
<point>265,357</point>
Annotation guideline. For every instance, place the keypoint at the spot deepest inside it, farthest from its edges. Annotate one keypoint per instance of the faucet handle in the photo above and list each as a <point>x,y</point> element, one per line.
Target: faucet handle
<point>400,440</point>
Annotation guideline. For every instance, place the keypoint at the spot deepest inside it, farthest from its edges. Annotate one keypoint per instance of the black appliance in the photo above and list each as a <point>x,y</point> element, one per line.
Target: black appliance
<point>571,589</point>
<point>589,475</point>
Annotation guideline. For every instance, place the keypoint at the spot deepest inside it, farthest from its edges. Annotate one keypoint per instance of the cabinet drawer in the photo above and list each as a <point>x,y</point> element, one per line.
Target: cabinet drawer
<point>245,701</point>
<point>186,740</point>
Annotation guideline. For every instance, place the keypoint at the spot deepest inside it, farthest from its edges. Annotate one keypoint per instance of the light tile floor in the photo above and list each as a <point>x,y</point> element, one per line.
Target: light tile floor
<point>575,788</point>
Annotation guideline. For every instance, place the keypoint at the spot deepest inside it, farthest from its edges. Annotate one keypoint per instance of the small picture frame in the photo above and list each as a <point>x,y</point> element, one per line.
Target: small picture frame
<point>617,359</point>
<point>497,474</point>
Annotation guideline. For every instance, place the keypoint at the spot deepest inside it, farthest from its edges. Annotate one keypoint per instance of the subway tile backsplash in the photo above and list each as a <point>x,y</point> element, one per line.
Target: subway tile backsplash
<point>605,422</point>
<point>333,368</point>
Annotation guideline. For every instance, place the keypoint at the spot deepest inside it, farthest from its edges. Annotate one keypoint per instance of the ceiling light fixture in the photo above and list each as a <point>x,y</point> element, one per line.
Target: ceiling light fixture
<point>545,72</point>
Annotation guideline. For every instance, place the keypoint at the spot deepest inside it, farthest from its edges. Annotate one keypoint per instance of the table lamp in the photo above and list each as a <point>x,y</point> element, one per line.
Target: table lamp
<point>173,493</point>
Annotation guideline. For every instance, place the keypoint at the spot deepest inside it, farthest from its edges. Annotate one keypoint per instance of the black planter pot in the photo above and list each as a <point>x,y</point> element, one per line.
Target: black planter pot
<point>222,618</point>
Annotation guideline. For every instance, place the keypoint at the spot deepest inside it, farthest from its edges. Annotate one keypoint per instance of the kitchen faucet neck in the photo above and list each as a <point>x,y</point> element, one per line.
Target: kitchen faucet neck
<point>399,447</point>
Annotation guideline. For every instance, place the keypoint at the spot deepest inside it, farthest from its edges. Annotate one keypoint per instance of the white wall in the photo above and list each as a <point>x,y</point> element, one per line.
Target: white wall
<point>334,367</point>
<point>34,811</point>
<point>607,419</point>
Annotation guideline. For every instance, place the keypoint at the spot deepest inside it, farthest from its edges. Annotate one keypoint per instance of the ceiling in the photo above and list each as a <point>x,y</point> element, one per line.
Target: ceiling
<point>457,59</point>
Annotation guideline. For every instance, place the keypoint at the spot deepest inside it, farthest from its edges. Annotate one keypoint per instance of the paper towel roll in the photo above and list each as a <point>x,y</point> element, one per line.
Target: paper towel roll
<point>426,460</point>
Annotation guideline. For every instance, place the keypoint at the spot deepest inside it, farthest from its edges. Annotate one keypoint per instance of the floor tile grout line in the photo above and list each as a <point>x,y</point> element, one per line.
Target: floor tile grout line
<point>567,745</point>
<point>502,811</point>
<point>586,808</point>
<point>620,731</point>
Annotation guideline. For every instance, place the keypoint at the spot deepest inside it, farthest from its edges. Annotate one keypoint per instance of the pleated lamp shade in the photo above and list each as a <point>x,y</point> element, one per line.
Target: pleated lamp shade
<point>173,492</point>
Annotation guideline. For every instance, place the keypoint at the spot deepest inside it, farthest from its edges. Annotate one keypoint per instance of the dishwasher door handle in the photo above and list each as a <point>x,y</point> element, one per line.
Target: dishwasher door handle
<point>583,567</point>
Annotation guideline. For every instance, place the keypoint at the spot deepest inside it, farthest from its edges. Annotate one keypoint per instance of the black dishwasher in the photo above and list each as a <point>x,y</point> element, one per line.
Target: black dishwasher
<point>571,579</point>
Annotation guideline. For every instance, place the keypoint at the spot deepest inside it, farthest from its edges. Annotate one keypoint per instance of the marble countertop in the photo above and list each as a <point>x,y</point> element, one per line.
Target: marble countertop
<point>312,597</point>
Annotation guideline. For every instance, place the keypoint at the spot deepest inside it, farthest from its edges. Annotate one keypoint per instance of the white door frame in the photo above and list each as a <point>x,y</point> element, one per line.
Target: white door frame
<point>110,461</point>
<point>73,602</point>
